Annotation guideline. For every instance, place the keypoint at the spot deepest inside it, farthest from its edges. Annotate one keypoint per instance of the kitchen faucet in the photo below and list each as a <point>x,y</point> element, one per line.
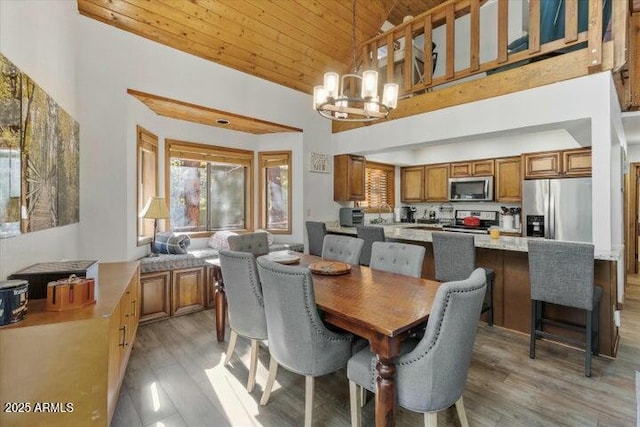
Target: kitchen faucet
<point>380,206</point>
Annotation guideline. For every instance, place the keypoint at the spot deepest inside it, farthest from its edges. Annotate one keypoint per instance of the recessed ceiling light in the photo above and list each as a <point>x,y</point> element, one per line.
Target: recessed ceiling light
<point>222,121</point>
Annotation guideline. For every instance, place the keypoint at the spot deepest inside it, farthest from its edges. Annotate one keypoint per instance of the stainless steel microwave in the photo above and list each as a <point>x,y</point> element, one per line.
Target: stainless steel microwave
<point>471,189</point>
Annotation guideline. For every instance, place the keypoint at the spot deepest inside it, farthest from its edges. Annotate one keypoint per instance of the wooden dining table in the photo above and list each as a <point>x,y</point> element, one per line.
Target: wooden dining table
<point>384,308</point>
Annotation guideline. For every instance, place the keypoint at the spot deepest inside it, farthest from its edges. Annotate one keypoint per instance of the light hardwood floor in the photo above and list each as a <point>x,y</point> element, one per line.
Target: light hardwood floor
<point>175,378</point>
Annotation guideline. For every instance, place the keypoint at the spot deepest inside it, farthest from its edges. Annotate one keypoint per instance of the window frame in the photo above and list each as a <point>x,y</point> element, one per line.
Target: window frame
<point>390,170</point>
<point>198,151</point>
<point>145,141</point>
<point>265,160</point>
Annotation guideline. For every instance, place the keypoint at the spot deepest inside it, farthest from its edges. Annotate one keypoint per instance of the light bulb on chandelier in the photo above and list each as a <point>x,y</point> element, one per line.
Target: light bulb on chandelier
<point>336,99</point>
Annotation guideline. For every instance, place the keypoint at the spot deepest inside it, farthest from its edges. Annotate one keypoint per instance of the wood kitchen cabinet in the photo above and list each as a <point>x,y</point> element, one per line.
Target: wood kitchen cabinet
<point>412,184</point>
<point>155,290</point>
<point>483,167</point>
<point>576,162</point>
<point>348,178</point>
<point>77,356</point>
<point>557,164</point>
<point>436,180</point>
<point>508,179</point>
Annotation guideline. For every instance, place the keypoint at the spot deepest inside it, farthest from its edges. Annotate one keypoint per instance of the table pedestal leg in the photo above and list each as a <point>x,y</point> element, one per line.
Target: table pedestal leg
<point>386,393</point>
<point>221,309</point>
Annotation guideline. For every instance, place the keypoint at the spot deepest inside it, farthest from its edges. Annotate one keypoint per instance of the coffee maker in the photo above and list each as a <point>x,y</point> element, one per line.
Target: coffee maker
<point>407,214</point>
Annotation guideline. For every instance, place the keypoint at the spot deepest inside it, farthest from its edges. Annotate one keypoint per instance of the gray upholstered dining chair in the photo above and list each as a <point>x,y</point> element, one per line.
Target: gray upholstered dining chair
<point>342,248</point>
<point>370,234</point>
<point>315,235</point>
<point>298,340</point>
<point>400,258</point>
<point>455,259</point>
<point>563,273</point>
<point>256,243</point>
<point>431,372</point>
<point>245,305</point>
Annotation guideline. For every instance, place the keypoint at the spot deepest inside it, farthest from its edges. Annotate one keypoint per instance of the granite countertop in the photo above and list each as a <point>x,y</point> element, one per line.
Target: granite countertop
<point>505,243</point>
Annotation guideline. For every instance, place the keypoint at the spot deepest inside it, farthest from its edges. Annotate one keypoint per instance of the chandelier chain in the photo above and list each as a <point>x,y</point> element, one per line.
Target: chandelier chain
<point>353,38</point>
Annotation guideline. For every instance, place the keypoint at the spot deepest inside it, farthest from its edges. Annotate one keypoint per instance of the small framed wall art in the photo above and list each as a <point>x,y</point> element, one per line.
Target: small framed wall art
<point>320,163</point>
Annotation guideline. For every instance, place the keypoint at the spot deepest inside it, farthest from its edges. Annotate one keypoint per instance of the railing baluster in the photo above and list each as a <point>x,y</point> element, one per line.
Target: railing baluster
<point>594,46</point>
<point>534,26</point>
<point>503,29</point>
<point>390,55</point>
<point>408,58</point>
<point>450,48</point>
<point>474,43</point>
<point>428,50</point>
<point>571,21</point>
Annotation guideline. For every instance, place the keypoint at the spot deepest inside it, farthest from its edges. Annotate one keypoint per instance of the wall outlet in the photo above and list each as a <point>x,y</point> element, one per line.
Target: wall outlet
<point>616,318</point>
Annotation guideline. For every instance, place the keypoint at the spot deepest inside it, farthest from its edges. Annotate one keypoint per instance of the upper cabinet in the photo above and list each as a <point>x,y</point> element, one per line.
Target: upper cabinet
<point>436,179</point>
<point>577,162</point>
<point>412,184</point>
<point>472,168</point>
<point>348,178</point>
<point>557,164</point>
<point>508,180</point>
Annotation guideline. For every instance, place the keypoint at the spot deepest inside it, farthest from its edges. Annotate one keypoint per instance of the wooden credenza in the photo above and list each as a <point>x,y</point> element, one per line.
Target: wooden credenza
<point>66,368</point>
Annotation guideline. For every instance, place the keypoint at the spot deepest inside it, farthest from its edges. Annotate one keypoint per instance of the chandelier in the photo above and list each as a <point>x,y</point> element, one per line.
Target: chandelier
<point>338,97</point>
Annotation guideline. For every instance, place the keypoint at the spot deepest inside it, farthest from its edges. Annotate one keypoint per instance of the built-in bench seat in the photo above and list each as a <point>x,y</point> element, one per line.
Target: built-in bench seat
<point>179,284</point>
<point>197,258</point>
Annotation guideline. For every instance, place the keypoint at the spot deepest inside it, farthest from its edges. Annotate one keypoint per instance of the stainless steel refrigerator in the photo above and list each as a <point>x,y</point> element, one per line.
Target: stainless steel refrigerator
<point>557,209</point>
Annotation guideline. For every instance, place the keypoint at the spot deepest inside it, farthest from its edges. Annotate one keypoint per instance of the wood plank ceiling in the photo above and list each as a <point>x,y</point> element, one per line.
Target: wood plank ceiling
<point>289,42</point>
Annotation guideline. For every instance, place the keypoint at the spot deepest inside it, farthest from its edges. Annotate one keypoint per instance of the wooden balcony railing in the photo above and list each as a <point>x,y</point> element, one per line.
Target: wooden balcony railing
<point>395,54</point>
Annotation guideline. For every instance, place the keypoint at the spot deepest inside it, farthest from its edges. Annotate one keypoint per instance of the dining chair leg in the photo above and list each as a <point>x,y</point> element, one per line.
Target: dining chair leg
<point>231,347</point>
<point>308,400</point>
<point>596,330</point>
<point>588,346</point>
<point>431,419</point>
<point>462,414</point>
<point>363,397</point>
<point>532,341</point>
<point>355,397</point>
<point>273,368</point>
<point>251,382</point>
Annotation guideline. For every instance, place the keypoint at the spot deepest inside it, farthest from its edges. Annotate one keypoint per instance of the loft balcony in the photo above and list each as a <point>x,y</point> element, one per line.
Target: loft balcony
<point>468,50</point>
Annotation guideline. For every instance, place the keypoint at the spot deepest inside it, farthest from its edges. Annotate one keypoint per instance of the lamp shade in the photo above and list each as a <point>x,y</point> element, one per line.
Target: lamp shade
<point>156,208</point>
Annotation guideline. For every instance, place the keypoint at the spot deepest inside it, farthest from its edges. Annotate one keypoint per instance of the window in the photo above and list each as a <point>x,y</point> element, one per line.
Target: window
<point>147,179</point>
<point>379,186</point>
<point>209,187</point>
<point>275,191</point>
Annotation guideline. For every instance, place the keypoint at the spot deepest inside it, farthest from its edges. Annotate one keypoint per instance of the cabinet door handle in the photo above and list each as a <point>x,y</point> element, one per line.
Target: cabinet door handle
<point>124,336</point>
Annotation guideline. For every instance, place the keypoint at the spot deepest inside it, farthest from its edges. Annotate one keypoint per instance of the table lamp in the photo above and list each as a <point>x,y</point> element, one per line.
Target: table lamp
<point>156,208</point>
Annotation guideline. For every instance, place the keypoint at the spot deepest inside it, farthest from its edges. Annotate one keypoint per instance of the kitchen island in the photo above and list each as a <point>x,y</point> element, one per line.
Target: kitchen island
<point>508,257</point>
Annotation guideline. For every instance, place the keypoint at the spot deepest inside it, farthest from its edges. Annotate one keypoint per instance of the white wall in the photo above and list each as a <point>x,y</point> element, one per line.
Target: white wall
<point>40,38</point>
<point>110,61</point>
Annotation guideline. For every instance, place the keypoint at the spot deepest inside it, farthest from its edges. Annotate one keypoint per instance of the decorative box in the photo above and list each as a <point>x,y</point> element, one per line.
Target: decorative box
<point>71,293</point>
<point>39,275</point>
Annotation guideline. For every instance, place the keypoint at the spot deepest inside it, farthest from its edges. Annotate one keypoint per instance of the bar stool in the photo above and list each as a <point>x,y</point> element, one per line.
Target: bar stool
<point>370,234</point>
<point>316,231</point>
<point>562,273</point>
<point>455,259</point>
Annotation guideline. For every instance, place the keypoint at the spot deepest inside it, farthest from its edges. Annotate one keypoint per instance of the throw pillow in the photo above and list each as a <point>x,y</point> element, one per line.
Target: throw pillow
<point>218,240</point>
<point>169,243</point>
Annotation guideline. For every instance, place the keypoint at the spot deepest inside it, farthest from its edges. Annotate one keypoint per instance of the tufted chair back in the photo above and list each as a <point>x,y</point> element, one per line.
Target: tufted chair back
<point>400,258</point>
<point>342,248</point>
<point>255,243</point>
<point>244,294</point>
